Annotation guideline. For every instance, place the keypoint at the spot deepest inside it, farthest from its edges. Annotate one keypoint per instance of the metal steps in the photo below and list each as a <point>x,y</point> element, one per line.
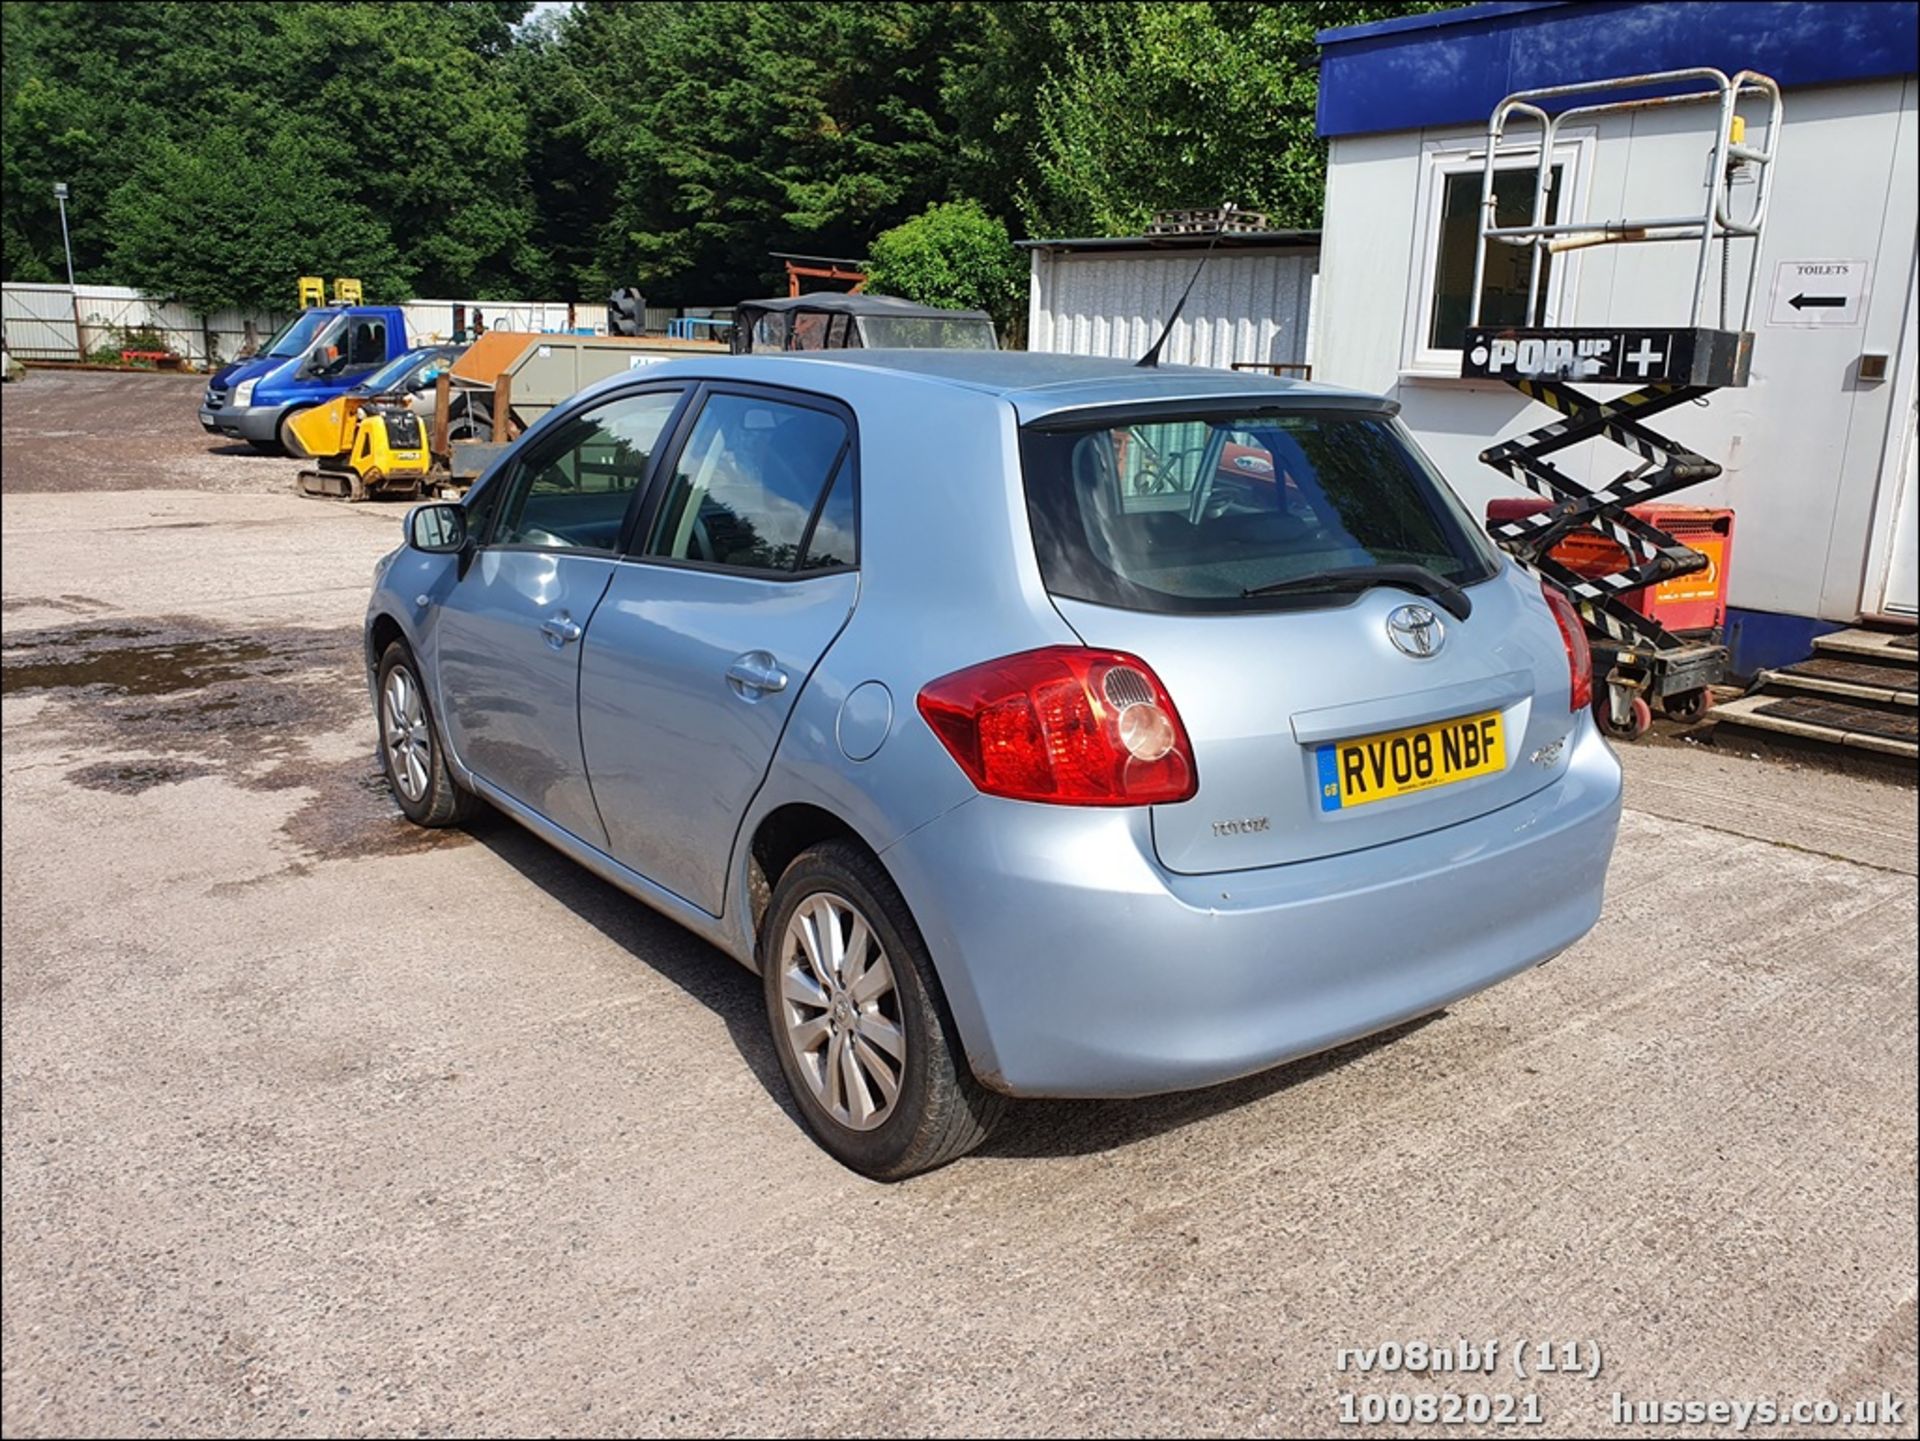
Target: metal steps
<point>1856,680</point>
<point>1894,647</point>
<point>1857,692</point>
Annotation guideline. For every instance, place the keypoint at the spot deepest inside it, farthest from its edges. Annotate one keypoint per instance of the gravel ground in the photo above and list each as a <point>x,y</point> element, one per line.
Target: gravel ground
<point>313,1123</point>
<point>133,430</point>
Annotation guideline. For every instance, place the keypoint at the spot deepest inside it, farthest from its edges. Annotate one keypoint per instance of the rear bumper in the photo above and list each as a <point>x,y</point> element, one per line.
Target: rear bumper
<point>1076,966</point>
<point>243,422</point>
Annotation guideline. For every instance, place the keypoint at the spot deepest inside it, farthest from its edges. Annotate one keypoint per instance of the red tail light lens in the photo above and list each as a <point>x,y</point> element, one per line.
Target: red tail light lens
<point>1579,656</point>
<point>1066,726</point>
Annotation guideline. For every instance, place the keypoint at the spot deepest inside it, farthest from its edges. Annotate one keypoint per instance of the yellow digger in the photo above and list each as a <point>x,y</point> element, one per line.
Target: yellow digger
<point>375,441</point>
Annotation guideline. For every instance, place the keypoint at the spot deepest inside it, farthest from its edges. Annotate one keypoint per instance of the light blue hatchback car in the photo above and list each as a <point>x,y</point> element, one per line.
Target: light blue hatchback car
<point>1033,725</point>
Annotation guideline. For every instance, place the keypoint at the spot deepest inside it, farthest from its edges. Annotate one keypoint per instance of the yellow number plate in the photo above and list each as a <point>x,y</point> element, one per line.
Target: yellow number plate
<point>1397,763</point>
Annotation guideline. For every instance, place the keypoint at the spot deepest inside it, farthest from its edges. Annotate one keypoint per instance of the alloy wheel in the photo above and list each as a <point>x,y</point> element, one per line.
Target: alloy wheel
<point>842,1011</point>
<point>403,719</point>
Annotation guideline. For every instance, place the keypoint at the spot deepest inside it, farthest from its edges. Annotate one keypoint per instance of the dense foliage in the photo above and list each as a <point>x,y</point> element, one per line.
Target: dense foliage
<point>954,255</point>
<point>218,148</point>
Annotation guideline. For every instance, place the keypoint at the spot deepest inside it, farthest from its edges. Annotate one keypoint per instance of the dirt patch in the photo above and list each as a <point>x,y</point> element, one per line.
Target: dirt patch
<point>71,604</point>
<point>352,814</point>
<point>88,430</point>
<point>187,700</point>
<point>128,660</point>
<point>129,778</point>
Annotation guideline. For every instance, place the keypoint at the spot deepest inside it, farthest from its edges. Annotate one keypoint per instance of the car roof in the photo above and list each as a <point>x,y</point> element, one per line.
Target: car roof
<point>1040,384</point>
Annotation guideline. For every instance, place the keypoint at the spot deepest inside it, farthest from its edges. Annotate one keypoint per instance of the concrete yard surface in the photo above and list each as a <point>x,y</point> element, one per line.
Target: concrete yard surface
<point>315,1123</point>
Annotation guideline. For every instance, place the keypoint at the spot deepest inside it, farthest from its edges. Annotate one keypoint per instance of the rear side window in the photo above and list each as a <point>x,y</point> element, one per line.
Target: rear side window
<point>831,546</point>
<point>1188,514</point>
<point>749,484</point>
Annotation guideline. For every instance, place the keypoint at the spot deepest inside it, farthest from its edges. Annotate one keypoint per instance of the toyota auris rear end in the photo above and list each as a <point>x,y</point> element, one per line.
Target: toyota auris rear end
<point>1034,726</point>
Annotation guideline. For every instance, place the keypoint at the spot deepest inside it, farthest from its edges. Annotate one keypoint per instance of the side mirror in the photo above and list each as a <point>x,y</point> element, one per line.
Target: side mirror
<point>439,529</point>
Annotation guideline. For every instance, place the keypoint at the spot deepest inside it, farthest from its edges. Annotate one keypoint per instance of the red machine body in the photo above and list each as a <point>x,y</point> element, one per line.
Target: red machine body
<point>1686,604</point>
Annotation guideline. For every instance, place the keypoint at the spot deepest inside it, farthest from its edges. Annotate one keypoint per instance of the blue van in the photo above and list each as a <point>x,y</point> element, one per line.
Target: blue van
<point>317,355</point>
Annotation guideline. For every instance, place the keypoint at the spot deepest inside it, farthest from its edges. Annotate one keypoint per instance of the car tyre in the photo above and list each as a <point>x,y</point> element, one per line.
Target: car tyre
<point>860,1005</point>
<point>410,754</point>
<point>289,444</point>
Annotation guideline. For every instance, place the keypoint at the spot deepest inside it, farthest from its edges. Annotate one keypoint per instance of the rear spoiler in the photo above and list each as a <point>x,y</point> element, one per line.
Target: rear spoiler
<point>1094,414</point>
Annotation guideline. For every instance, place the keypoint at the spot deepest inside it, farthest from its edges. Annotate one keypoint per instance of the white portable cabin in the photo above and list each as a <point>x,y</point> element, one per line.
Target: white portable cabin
<point>1819,447</point>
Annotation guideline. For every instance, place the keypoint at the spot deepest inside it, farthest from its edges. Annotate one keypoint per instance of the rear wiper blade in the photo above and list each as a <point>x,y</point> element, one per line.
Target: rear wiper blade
<point>1416,578</point>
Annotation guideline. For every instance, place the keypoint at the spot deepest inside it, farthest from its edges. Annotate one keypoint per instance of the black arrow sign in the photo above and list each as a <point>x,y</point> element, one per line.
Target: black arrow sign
<point>1827,302</point>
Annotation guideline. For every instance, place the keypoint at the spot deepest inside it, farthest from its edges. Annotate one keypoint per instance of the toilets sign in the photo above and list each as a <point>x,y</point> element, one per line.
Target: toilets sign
<point>1818,292</point>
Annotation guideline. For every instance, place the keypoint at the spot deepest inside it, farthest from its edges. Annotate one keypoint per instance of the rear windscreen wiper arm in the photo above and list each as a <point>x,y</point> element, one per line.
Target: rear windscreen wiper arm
<point>1416,578</point>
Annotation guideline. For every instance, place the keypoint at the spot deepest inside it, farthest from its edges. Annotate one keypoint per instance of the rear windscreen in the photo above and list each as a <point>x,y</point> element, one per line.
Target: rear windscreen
<point>1188,514</point>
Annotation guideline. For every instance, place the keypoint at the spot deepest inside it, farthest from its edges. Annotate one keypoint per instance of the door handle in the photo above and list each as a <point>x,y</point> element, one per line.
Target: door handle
<point>559,629</point>
<point>756,674</point>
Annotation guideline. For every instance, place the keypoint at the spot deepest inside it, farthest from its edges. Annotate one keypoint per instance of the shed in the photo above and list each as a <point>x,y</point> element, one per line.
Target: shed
<point>1110,296</point>
<point>1818,449</point>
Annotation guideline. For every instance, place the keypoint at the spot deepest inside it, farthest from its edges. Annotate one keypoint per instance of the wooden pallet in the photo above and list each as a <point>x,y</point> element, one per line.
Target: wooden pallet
<point>1208,220</point>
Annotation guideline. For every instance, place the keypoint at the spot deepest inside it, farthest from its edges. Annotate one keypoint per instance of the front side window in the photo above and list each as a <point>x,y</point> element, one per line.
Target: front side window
<point>749,484</point>
<point>351,345</point>
<point>572,490</point>
<point>1229,504</point>
<point>367,345</point>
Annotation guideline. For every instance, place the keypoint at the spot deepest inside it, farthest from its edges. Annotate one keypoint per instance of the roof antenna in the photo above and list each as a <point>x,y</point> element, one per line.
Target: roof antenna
<point>1151,359</point>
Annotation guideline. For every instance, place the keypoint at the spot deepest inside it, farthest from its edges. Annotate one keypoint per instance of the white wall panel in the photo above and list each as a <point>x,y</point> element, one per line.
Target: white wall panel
<point>1248,306</point>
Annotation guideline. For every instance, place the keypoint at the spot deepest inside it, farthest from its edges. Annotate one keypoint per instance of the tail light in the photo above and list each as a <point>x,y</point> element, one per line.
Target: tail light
<point>1579,656</point>
<point>1064,725</point>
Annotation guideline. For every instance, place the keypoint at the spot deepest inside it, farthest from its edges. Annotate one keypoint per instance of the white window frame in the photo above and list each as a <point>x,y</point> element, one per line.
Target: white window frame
<point>1441,159</point>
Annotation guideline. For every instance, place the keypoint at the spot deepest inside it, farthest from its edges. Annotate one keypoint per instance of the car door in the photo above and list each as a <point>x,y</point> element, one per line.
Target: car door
<point>508,631</point>
<point>741,574</point>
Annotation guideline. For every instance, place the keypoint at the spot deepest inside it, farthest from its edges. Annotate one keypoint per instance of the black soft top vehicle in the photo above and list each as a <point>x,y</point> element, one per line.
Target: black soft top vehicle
<point>835,321</point>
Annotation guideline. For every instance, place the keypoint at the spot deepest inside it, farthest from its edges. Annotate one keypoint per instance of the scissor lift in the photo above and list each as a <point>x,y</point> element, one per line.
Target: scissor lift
<point>1636,659</point>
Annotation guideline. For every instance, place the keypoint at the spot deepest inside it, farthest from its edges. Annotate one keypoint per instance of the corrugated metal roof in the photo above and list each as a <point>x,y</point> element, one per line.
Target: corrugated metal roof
<point>1232,240</point>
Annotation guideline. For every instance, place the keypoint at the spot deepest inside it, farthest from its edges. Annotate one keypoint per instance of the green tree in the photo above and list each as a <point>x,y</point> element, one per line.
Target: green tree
<point>955,255</point>
<point>466,152</point>
<point>408,113</point>
<point>241,252</point>
<point>991,80</point>
<point>716,134</point>
<point>413,111</point>
<point>1187,104</point>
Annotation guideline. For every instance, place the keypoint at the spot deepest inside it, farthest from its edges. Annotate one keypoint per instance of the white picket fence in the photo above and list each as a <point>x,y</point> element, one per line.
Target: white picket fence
<point>39,321</point>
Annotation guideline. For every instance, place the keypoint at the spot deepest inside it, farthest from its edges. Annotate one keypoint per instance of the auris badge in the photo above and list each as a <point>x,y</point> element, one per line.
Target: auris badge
<point>1415,631</point>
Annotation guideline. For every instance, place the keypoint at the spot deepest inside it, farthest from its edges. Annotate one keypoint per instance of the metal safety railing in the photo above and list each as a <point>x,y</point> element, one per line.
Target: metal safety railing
<point>1731,157</point>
